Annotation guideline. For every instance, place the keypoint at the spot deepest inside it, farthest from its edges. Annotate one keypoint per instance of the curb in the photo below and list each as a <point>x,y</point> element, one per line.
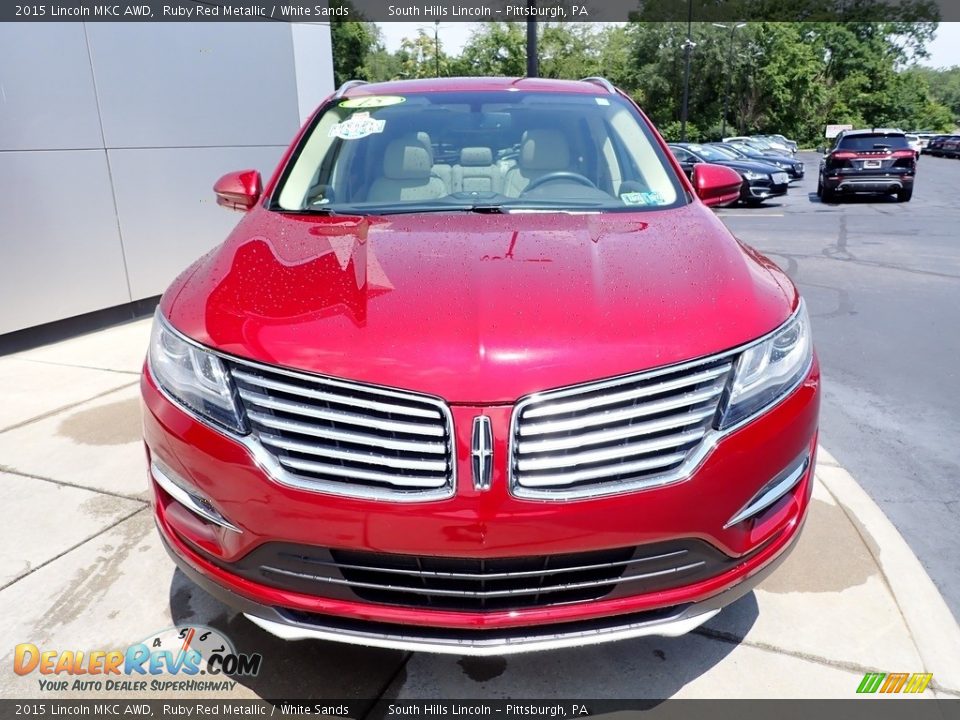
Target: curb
<point>933,627</point>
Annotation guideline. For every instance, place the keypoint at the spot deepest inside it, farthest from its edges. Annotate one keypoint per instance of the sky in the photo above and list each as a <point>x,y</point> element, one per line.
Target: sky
<point>944,50</point>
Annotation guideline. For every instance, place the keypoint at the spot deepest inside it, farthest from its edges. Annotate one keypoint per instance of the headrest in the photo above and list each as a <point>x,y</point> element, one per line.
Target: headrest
<point>544,149</point>
<point>475,156</point>
<point>424,139</point>
<point>406,159</point>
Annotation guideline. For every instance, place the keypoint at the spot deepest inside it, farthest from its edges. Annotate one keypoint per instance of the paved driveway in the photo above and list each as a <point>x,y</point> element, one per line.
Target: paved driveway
<point>882,280</point>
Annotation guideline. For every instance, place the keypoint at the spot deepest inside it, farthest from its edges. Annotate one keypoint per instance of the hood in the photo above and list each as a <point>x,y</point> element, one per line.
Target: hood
<point>479,309</point>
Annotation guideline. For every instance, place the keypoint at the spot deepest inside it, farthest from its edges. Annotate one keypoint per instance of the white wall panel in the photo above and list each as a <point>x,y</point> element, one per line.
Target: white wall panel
<point>193,84</point>
<point>47,99</point>
<point>60,251</point>
<point>168,213</point>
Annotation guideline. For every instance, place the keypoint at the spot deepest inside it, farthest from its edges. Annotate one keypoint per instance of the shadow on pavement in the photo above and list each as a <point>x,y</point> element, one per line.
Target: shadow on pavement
<point>855,200</point>
<point>649,667</point>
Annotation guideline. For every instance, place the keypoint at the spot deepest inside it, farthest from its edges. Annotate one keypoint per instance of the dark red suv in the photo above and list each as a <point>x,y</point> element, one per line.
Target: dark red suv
<point>868,161</point>
<point>479,372</point>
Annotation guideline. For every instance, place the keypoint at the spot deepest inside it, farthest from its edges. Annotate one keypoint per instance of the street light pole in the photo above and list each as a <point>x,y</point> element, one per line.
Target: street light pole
<point>726,94</point>
<point>688,46</point>
<point>436,46</point>
<point>533,64</point>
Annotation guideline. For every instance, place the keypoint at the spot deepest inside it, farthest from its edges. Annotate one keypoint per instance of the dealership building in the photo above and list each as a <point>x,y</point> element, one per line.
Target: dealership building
<point>111,136</point>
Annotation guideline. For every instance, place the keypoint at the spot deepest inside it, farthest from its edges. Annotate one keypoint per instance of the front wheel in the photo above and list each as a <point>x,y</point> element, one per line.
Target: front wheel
<point>905,195</point>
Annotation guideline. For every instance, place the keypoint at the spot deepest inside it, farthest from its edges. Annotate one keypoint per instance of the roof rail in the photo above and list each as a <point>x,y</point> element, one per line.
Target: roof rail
<point>602,82</point>
<point>341,91</point>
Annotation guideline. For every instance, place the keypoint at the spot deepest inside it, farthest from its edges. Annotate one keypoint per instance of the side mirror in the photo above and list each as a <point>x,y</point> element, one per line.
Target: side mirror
<point>821,149</point>
<point>239,190</point>
<point>716,184</point>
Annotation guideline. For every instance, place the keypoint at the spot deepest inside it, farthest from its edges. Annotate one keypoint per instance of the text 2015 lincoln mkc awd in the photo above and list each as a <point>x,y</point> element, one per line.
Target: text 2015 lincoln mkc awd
<point>479,371</point>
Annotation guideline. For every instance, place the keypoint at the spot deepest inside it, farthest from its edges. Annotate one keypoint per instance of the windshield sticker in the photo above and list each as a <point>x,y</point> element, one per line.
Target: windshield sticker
<point>642,198</point>
<point>373,101</point>
<point>602,101</point>
<point>357,126</point>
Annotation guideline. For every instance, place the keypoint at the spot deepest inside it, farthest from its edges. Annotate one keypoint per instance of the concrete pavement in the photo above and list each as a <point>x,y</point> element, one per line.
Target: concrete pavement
<point>86,571</point>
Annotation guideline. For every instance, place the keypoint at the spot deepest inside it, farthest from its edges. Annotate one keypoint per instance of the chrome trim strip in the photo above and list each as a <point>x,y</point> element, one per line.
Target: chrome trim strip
<point>551,462</point>
<point>693,460</point>
<point>196,504</point>
<point>484,594</point>
<point>426,447</point>
<point>337,416</point>
<point>271,466</point>
<point>602,82</point>
<point>406,481</point>
<point>669,627</point>
<point>643,391</point>
<point>601,418</point>
<point>531,482</point>
<point>330,397</point>
<point>772,492</point>
<point>488,576</point>
<point>342,90</point>
<point>328,452</point>
<point>602,436</point>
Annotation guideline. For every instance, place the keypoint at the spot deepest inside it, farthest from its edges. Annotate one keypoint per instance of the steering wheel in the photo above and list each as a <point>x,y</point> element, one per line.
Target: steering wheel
<point>559,175</point>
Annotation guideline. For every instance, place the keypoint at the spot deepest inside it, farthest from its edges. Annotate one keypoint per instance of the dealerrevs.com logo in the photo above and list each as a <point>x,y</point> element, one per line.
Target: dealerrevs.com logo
<point>179,659</point>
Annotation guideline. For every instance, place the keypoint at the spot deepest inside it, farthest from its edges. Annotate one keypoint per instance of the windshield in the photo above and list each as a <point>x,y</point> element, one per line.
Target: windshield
<point>877,141</point>
<point>708,153</point>
<point>483,151</point>
<point>730,152</point>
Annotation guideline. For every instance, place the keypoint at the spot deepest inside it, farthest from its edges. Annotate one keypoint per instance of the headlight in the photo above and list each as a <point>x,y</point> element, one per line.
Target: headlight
<point>194,378</point>
<point>755,176</point>
<point>769,370</point>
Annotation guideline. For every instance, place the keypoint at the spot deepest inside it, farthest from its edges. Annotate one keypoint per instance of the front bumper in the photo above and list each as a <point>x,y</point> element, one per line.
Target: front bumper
<point>490,524</point>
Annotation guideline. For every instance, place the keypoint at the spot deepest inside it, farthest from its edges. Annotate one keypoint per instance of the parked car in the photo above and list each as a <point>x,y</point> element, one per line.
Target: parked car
<point>792,145</point>
<point>534,398</point>
<point>779,142</point>
<point>760,180</point>
<point>950,147</point>
<point>793,167</point>
<point>761,144</point>
<point>914,142</point>
<point>868,161</point>
<point>934,146</point>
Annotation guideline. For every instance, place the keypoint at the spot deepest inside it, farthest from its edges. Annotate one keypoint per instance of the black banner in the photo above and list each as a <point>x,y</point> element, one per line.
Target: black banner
<point>876,708</point>
<point>485,10</point>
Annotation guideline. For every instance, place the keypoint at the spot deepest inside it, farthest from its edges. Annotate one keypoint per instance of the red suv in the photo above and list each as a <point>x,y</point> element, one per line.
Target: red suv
<point>479,372</point>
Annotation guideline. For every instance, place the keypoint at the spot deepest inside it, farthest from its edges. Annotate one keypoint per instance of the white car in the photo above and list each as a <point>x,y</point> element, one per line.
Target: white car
<point>915,143</point>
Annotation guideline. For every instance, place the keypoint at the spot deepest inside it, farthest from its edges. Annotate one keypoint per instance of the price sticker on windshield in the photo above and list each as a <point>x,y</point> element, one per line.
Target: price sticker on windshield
<point>357,126</point>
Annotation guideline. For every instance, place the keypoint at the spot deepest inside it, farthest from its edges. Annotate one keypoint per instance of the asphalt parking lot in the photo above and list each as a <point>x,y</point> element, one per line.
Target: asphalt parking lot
<point>882,280</point>
<point>87,570</point>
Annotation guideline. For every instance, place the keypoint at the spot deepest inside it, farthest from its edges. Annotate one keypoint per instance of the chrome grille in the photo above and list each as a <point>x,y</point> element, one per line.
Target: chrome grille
<point>347,438</point>
<point>615,435</point>
<point>472,584</point>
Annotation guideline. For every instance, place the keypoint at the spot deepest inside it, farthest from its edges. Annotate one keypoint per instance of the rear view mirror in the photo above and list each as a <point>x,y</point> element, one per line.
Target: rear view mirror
<point>238,190</point>
<point>716,184</point>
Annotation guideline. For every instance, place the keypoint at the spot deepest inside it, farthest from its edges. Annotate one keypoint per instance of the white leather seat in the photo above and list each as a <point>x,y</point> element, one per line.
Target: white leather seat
<point>476,171</point>
<point>407,173</point>
<point>542,152</point>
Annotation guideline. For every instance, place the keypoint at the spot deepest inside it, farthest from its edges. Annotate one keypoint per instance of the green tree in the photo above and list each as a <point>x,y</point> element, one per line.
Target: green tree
<point>352,42</point>
<point>422,57</point>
